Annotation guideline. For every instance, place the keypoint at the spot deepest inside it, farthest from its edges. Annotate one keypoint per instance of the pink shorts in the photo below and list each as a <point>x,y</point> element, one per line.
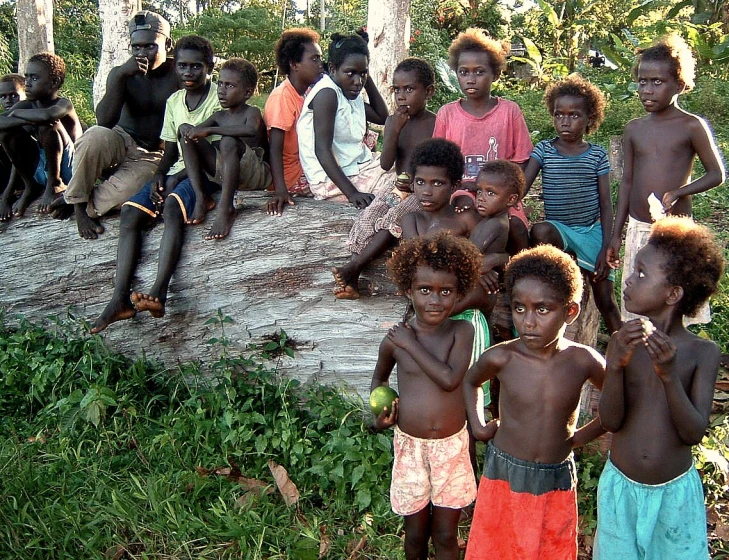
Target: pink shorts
<point>431,470</point>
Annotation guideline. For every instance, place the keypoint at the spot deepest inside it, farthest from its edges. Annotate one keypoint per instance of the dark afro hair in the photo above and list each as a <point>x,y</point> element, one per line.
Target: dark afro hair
<point>439,152</point>
<point>511,174</point>
<point>197,43</point>
<point>673,50</point>
<point>342,46</point>
<point>54,63</point>
<point>423,71</point>
<point>245,70</point>
<point>694,259</point>
<point>550,265</point>
<point>16,79</point>
<point>577,86</point>
<point>439,251</point>
<point>476,40</point>
<point>291,45</point>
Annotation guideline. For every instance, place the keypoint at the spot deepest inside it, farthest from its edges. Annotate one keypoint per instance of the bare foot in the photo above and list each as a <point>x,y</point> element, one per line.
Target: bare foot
<point>60,210</point>
<point>222,224</point>
<point>6,211</point>
<point>202,207</point>
<point>146,302</point>
<point>347,292</point>
<point>21,205</point>
<point>114,311</point>
<point>48,198</point>
<point>88,227</point>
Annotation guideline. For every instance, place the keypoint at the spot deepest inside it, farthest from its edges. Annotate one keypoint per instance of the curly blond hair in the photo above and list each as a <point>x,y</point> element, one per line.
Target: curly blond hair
<point>673,50</point>
<point>474,39</point>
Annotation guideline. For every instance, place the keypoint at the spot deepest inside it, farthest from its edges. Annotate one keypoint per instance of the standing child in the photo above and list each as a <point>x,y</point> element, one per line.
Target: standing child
<point>657,399</point>
<point>526,507</point>
<point>659,152</point>
<point>380,225</point>
<point>170,191</point>
<point>576,187</point>
<point>238,161</point>
<point>333,125</point>
<point>38,133</point>
<point>12,90</point>
<point>432,477</point>
<point>298,56</point>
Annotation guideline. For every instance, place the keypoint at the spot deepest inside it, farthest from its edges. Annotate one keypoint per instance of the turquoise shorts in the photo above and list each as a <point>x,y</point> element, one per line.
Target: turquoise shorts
<point>650,521</point>
<point>41,174</point>
<point>583,241</point>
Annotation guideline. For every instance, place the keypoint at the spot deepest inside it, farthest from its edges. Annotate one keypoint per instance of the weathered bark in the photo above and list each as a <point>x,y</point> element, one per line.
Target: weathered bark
<point>35,29</point>
<point>114,15</point>
<point>617,158</point>
<point>388,26</point>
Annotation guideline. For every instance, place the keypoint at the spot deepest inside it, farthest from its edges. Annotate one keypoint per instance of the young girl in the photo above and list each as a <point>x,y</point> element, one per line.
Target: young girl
<point>432,476</point>
<point>576,187</point>
<point>380,225</point>
<point>336,161</point>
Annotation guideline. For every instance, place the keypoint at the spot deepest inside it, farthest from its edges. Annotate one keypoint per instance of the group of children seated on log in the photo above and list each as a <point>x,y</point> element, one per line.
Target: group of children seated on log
<point>450,186</point>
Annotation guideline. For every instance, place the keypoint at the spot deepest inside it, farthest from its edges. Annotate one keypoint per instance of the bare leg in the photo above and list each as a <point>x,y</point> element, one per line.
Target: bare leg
<point>5,208</point>
<point>417,534</point>
<point>231,151</point>
<point>545,233</point>
<point>445,532</point>
<point>199,157</point>
<point>52,140</point>
<point>604,294</point>
<point>132,222</point>
<point>23,153</point>
<point>347,276</point>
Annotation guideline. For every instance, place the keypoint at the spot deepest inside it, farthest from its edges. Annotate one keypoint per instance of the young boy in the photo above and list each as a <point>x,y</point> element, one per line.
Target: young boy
<point>170,190</point>
<point>12,90</point>
<point>432,477</point>
<point>526,506</point>
<point>298,56</point>
<point>657,398</point>
<point>659,152</point>
<point>38,133</point>
<point>239,160</point>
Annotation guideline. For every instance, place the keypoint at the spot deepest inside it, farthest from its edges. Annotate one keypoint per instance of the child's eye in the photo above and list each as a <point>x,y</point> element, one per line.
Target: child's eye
<point>462,72</point>
<point>575,116</point>
<point>445,292</point>
<point>419,182</point>
<point>408,90</point>
<point>642,82</point>
<point>518,308</point>
<point>437,183</point>
<point>641,274</point>
<point>657,82</point>
<point>425,291</point>
<point>542,310</point>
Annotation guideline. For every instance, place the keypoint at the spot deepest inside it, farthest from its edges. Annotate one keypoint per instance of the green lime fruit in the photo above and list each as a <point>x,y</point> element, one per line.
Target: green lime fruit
<point>383,396</point>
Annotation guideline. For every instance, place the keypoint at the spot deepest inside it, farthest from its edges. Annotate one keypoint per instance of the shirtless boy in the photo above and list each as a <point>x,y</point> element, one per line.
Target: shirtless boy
<point>432,477</point>
<point>239,160</point>
<point>38,133</point>
<point>12,90</point>
<point>123,150</point>
<point>526,507</point>
<point>660,149</point>
<point>656,400</point>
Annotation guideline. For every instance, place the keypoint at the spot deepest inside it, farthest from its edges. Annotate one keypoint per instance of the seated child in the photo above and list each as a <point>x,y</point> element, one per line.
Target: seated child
<point>576,187</point>
<point>238,160</point>
<point>298,56</point>
<point>170,191</point>
<point>336,161</point>
<point>432,477</point>
<point>12,90</point>
<point>379,226</point>
<point>38,133</point>
<point>656,400</point>
<point>527,505</point>
<point>660,149</point>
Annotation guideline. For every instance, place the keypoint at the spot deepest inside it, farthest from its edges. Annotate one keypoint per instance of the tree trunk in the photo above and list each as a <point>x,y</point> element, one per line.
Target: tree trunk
<point>388,26</point>
<point>617,158</point>
<point>35,29</point>
<point>114,15</point>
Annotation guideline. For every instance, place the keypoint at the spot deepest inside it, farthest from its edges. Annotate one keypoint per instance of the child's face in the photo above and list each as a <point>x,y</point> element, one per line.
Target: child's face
<point>38,81</point>
<point>409,92</point>
<point>311,66</point>
<point>570,118</point>
<point>10,94</point>
<point>492,196</point>
<point>191,69</point>
<point>434,294</point>
<point>432,187</point>
<point>351,75</point>
<point>148,44</point>
<point>232,91</point>
<point>657,87</point>
<point>540,317</point>
<point>475,75</point>
<point>646,289</point>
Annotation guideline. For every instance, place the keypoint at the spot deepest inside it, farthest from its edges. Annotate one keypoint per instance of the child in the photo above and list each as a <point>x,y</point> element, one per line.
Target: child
<point>336,161</point>
<point>576,187</point>
<point>380,224</point>
<point>38,133</point>
<point>298,56</point>
<point>657,399</point>
<point>12,90</point>
<point>659,151</point>
<point>432,477</point>
<point>526,505</point>
<point>170,190</point>
<point>238,160</point>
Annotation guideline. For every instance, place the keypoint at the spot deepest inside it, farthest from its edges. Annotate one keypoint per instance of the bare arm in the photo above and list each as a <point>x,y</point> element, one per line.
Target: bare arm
<point>246,126</point>
<point>43,115</point>
<point>593,429</point>
<point>621,216</point>
<point>282,197</point>
<point>381,376</point>
<point>109,109</point>
<point>487,367</point>
<point>394,125</point>
<point>533,167</point>
<point>376,109</point>
<point>409,226</point>
<point>606,223</point>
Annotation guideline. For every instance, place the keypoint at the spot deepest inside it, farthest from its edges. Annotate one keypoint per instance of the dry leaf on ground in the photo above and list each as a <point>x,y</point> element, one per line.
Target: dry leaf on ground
<point>284,484</point>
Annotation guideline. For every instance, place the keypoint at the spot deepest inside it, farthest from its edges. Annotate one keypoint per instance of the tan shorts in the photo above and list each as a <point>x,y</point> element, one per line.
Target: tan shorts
<point>255,173</point>
<point>368,180</point>
<point>431,470</point>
